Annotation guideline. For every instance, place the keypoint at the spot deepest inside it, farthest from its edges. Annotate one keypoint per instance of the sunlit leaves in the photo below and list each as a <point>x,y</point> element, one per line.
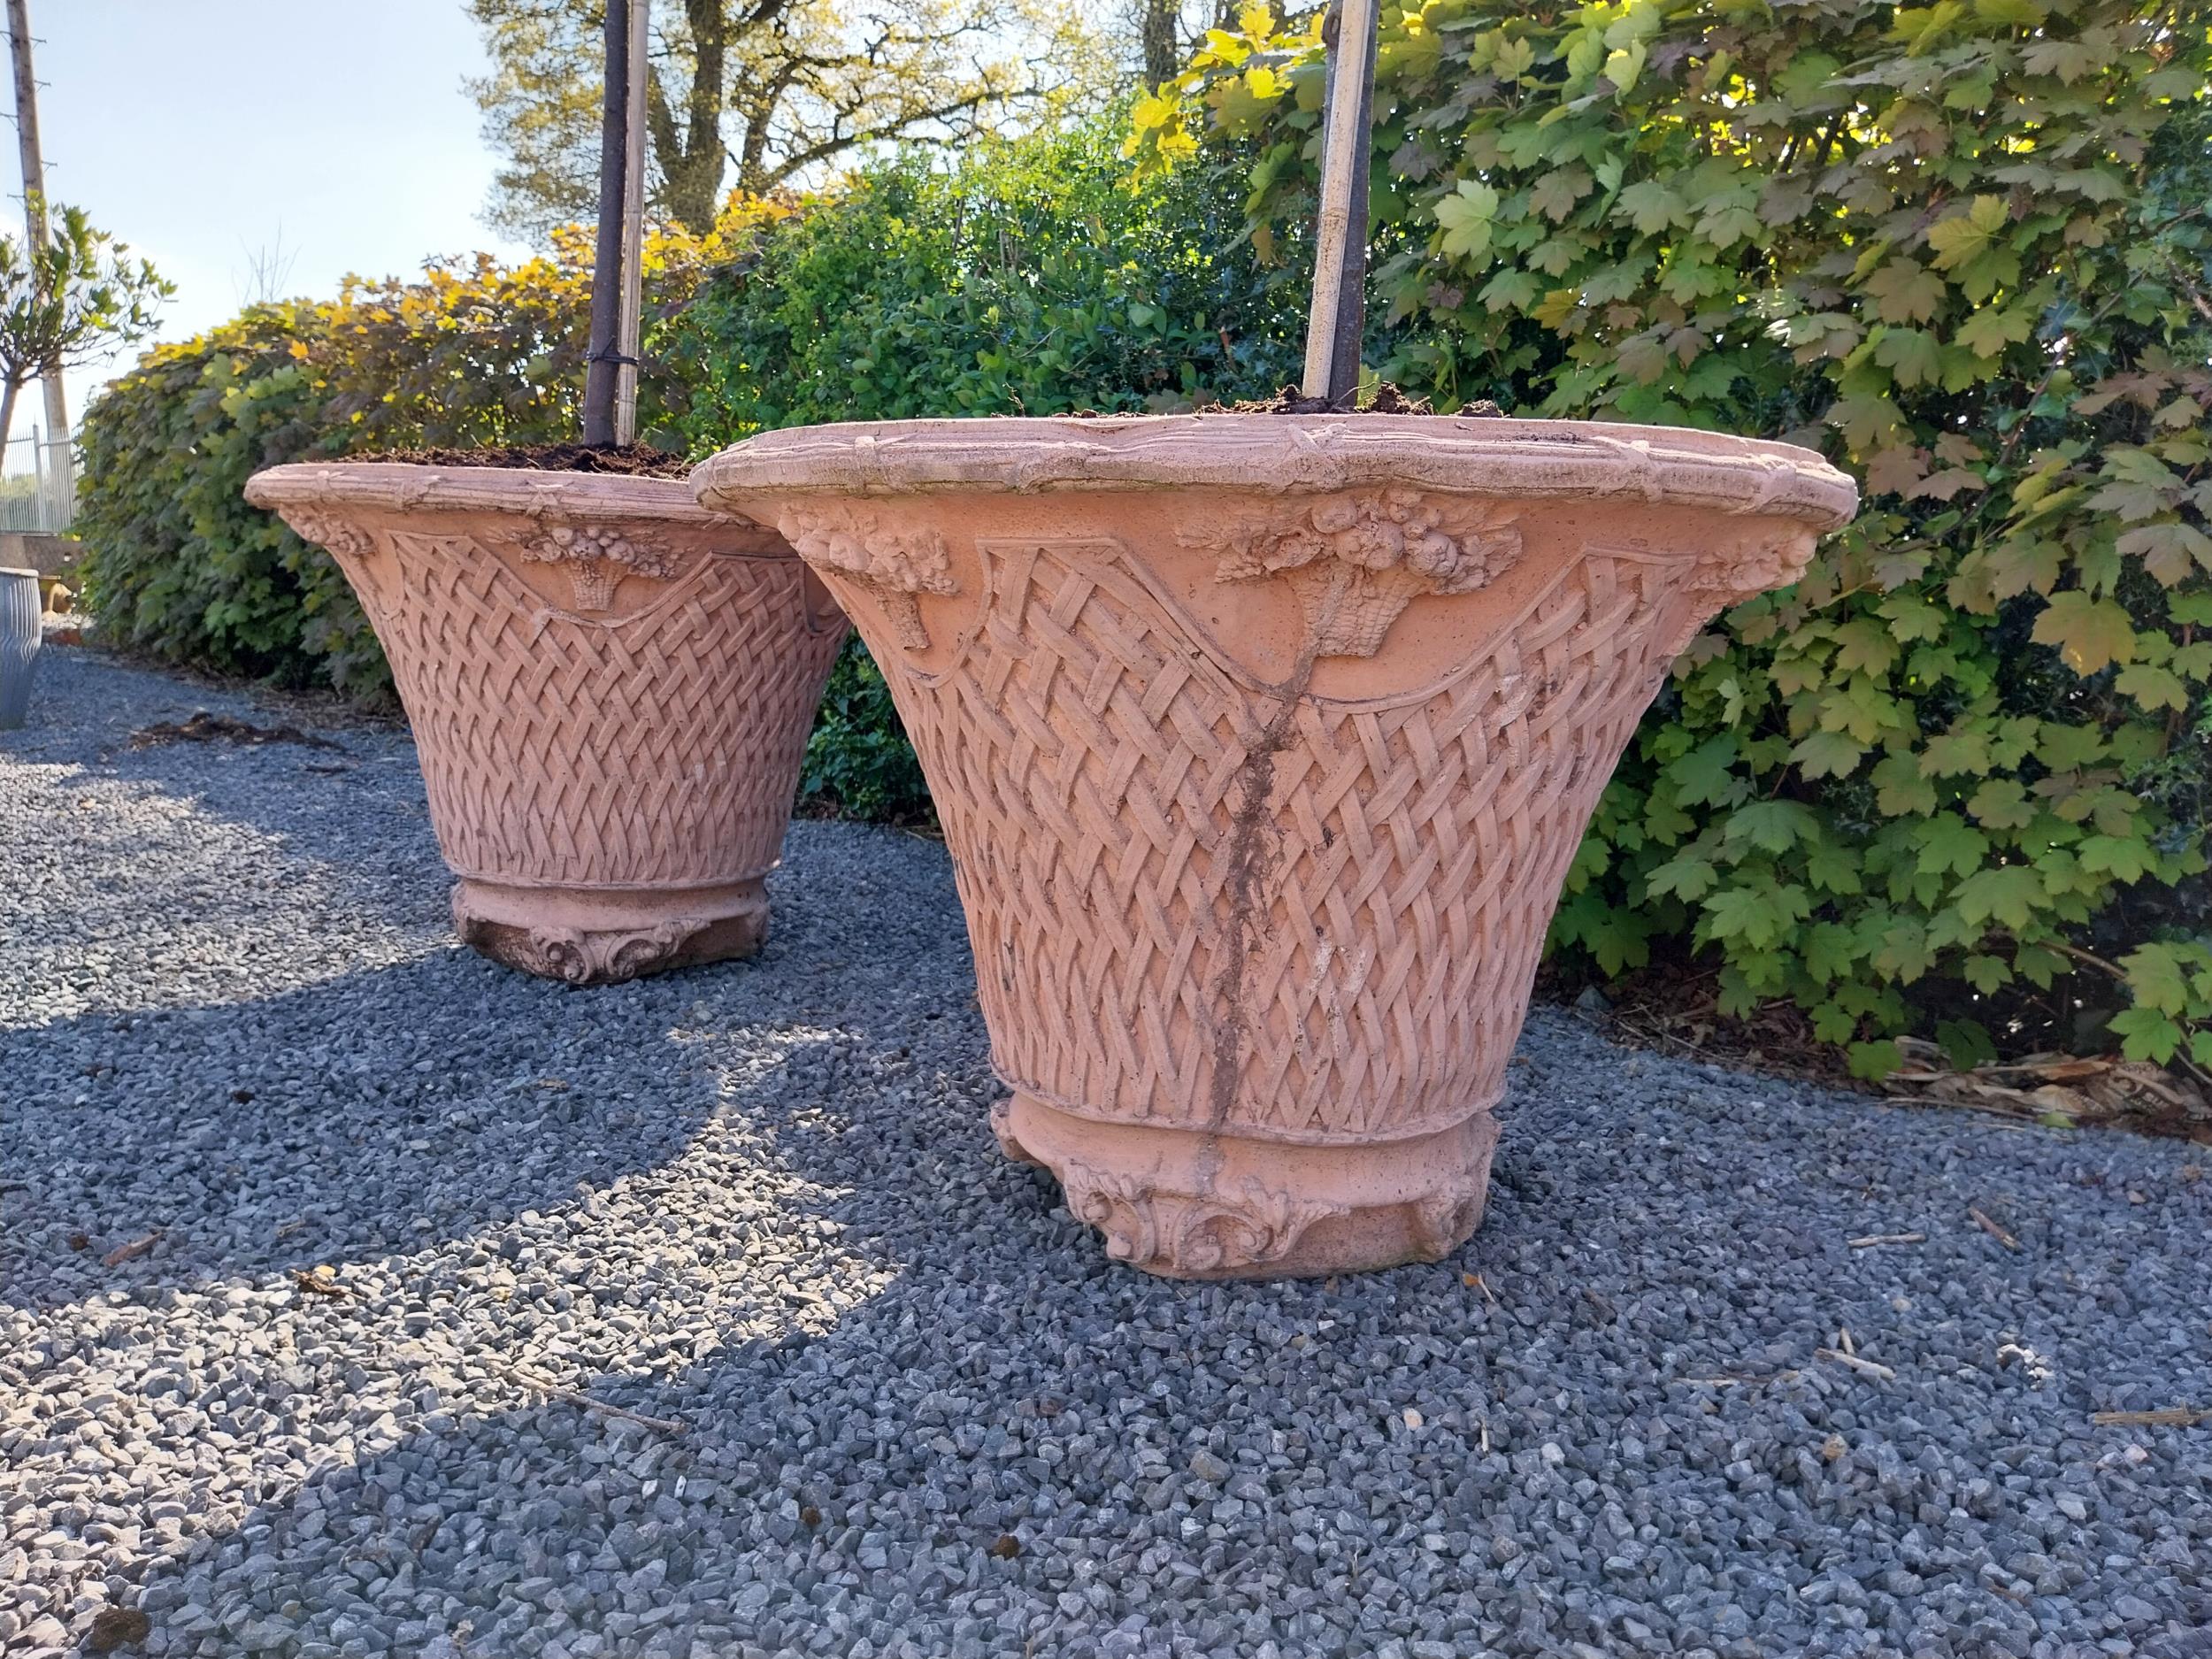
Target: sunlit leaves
<point>1468,216</point>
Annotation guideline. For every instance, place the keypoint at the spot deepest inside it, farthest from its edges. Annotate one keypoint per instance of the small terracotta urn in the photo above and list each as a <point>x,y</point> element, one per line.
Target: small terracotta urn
<point>610,691</point>
<point>1262,744</point>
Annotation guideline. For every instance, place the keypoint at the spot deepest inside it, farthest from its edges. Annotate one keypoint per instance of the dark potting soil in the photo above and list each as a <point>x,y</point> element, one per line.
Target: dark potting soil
<point>637,461</point>
<point>1388,400</point>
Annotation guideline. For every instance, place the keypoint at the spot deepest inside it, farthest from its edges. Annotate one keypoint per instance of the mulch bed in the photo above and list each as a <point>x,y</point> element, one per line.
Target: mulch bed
<point>637,461</point>
<point>1674,1011</point>
<point>1389,400</point>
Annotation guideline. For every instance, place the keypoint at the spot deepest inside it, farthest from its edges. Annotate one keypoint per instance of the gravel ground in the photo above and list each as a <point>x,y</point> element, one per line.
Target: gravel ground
<point>900,1403</point>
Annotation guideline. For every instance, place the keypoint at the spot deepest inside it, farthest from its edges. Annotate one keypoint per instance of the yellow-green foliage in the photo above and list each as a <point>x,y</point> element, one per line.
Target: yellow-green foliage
<point>481,354</point>
<point>1957,778</point>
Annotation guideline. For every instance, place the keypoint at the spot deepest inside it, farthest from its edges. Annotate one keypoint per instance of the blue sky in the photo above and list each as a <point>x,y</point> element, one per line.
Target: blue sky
<point>199,131</point>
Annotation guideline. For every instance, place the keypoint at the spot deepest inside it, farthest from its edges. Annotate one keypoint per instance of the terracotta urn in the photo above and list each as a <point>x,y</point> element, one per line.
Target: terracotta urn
<point>610,691</point>
<point>1262,745</point>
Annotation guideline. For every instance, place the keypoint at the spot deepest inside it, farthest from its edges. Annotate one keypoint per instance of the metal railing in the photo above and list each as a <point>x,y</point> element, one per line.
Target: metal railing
<point>38,484</point>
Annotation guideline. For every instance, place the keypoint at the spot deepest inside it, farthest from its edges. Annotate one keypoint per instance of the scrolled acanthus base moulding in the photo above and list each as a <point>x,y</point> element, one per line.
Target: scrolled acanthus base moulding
<point>610,691</point>
<point>1262,745</point>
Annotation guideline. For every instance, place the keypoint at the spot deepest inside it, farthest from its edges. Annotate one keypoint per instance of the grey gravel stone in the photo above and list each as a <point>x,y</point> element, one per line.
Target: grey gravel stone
<point>761,1202</point>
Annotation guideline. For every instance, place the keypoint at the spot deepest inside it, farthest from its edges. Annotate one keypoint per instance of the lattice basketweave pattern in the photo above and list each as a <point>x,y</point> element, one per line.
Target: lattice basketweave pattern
<point>659,748</point>
<point>1346,902</point>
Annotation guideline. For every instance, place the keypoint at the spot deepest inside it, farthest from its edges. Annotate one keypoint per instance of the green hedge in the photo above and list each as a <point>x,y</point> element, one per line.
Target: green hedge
<point>1030,277</point>
<point>1955,781</point>
<point>178,564</point>
<point>1033,278</point>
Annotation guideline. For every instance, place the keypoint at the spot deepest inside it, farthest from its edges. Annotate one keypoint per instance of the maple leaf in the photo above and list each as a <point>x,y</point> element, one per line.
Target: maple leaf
<point>1895,470</point>
<point>1513,58</point>
<point>1914,357</point>
<point>1949,482</point>
<point>1687,875</point>
<point>1723,227</point>
<point>1555,194</point>
<point>2001,804</point>
<point>2152,687</point>
<point>2158,977</point>
<point>1992,328</point>
<point>1865,421</point>
<point>1828,755</point>
<point>1906,291</point>
<point>1902,791</point>
<point>2091,634</point>
<point>1967,235</point>
<point>2122,857</point>
<point>2069,60</point>
<point>1468,217</point>
<point>1784,199</point>
<point>1864,645</point>
<point>1773,826</point>
<point>1512,289</point>
<point>2008,894</point>
<point>1651,206</point>
<point>2167,549</point>
<point>2022,565</point>
<point>1642,358</point>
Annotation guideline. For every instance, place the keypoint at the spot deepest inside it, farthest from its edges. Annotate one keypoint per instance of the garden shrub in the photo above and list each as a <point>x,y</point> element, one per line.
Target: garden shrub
<point>1029,278</point>
<point>179,565</point>
<point>1956,780</point>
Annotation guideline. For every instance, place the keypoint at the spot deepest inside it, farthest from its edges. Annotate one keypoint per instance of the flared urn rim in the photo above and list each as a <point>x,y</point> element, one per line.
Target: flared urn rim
<point>1479,455</point>
<point>401,486</point>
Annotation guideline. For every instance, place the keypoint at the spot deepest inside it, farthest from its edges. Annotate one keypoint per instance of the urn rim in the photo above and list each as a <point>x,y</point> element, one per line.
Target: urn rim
<point>597,498</point>
<point>1499,457</point>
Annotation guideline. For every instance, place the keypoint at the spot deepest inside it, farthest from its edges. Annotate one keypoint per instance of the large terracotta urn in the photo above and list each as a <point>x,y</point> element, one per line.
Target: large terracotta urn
<point>610,691</point>
<point>1262,745</point>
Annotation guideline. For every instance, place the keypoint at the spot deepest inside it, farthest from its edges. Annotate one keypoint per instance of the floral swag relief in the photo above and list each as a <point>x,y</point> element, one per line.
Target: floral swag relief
<point>578,956</point>
<point>595,560</point>
<point>894,563</point>
<point>1356,561</point>
<point>330,531</point>
<point>1162,1231</point>
<point>1724,580</point>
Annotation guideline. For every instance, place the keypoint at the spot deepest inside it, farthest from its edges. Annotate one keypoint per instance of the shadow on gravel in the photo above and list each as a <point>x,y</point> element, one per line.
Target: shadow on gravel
<point>999,1434</point>
<point>345,809</point>
<point>383,1111</point>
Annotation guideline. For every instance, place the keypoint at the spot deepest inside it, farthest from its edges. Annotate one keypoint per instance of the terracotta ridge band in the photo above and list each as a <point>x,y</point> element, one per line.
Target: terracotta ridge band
<point>1411,1129</point>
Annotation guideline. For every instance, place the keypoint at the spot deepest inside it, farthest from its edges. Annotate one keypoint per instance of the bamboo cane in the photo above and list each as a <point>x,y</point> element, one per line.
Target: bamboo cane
<point>1339,247</point>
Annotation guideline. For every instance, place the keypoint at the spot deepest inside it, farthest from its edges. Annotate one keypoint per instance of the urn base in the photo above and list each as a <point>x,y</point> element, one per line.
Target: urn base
<point>604,935</point>
<point>1189,1204</point>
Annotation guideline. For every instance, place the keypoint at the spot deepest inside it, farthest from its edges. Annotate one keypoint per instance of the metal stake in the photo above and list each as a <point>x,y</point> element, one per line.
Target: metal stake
<point>632,234</point>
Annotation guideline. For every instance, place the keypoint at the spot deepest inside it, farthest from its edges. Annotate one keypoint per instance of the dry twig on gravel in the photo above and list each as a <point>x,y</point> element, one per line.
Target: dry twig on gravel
<point>1992,1229</point>
<point>2170,1417</point>
<point>132,1251</point>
